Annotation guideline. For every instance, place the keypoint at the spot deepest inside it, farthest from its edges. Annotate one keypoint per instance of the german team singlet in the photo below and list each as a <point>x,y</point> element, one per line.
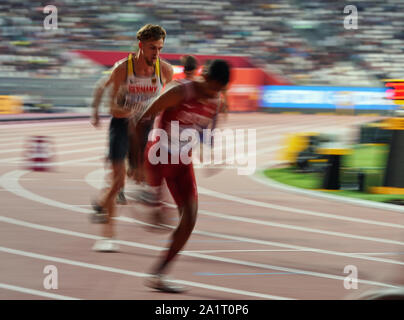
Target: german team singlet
<point>141,90</point>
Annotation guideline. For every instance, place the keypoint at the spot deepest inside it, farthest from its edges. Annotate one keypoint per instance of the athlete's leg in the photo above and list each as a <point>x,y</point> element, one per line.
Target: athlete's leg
<point>182,187</point>
<point>152,195</point>
<point>134,152</point>
<point>108,202</point>
<point>118,148</point>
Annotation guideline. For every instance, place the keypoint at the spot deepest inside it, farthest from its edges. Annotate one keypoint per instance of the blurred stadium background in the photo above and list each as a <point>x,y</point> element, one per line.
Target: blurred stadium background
<point>298,43</point>
<point>288,56</point>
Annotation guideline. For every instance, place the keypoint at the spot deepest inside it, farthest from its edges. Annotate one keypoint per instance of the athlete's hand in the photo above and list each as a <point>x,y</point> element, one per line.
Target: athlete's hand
<point>119,109</point>
<point>95,120</point>
<point>121,96</point>
<point>119,112</point>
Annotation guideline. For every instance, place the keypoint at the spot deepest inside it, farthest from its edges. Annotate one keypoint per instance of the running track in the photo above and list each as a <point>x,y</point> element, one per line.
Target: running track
<point>253,240</point>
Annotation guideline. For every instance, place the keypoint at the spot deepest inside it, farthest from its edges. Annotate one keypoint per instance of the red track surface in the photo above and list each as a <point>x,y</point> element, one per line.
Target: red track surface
<point>251,241</point>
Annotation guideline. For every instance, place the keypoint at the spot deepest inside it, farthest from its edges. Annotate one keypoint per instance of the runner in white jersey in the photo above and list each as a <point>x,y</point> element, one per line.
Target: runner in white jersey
<point>139,93</point>
<point>134,81</point>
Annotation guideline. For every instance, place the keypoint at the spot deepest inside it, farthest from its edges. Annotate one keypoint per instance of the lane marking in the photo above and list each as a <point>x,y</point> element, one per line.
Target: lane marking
<point>241,273</point>
<point>29,195</point>
<point>94,176</point>
<point>18,159</point>
<point>217,194</point>
<point>262,179</point>
<point>23,140</point>
<point>265,132</point>
<point>58,145</point>
<point>275,244</point>
<point>192,254</point>
<point>137,274</point>
<point>287,250</point>
<point>299,228</point>
<point>246,250</point>
<point>35,292</point>
<point>22,160</point>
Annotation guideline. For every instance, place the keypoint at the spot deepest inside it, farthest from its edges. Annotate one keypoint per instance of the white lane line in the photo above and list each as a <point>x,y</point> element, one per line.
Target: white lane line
<point>65,131</point>
<point>56,141</point>
<point>18,159</point>
<point>80,162</point>
<point>242,250</point>
<point>57,124</point>
<point>74,162</point>
<point>286,250</point>
<point>59,145</point>
<point>381,253</point>
<point>261,132</point>
<point>52,134</point>
<point>82,132</point>
<point>275,244</point>
<point>299,228</point>
<point>137,274</point>
<point>217,194</point>
<point>262,179</point>
<point>13,184</point>
<point>21,158</point>
<point>192,254</point>
<point>10,182</point>
<point>93,180</point>
<point>35,292</point>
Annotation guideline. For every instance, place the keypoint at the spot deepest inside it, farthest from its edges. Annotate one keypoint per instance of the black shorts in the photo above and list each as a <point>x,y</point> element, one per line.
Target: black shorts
<point>147,126</point>
<point>139,142</point>
<point>118,139</point>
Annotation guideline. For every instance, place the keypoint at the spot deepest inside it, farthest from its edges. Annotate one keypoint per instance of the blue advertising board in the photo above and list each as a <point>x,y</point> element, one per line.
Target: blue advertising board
<point>326,98</point>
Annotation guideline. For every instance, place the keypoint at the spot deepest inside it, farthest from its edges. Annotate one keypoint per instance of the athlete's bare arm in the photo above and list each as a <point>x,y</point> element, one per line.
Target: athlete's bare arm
<point>100,87</point>
<point>117,99</point>
<point>170,98</point>
<point>224,102</point>
<point>99,91</point>
<point>167,72</point>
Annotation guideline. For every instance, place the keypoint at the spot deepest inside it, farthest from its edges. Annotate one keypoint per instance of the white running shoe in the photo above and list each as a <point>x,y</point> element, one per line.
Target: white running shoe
<point>106,245</point>
<point>163,283</point>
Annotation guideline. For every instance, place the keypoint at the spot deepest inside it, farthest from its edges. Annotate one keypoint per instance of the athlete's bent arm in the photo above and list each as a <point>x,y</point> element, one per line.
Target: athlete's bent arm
<point>99,90</point>
<point>118,94</point>
<point>170,98</point>
<point>167,71</point>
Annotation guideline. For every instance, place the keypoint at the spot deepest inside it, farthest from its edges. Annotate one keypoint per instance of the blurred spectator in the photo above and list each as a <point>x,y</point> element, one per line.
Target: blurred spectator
<point>190,64</point>
<point>304,41</point>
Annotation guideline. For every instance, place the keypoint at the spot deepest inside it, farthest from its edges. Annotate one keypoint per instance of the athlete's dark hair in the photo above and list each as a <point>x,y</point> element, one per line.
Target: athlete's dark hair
<point>189,62</point>
<point>151,32</point>
<point>218,70</point>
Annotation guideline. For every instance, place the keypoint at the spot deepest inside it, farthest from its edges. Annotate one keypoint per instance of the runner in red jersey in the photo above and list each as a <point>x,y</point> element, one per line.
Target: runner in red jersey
<point>188,105</point>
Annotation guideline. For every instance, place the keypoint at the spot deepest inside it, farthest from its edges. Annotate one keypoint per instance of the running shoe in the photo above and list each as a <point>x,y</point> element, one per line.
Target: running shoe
<point>146,197</point>
<point>120,197</point>
<point>99,215</point>
<point>162,283</point>
<point>106,245</point>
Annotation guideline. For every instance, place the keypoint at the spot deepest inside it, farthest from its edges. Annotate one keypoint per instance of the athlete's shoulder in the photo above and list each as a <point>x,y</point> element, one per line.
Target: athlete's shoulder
<point>167,70</point>
<point>165,64</point>
<point>186,87</point>
<point>120,65</point>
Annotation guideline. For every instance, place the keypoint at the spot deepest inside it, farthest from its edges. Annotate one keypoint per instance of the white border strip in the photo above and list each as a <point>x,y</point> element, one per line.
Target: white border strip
<point>260,177</point>
<point>137,274</point>
<point>35,292</point>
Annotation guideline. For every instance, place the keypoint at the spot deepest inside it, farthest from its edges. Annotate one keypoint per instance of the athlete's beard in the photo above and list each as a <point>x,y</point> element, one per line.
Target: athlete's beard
<point>149,62</point>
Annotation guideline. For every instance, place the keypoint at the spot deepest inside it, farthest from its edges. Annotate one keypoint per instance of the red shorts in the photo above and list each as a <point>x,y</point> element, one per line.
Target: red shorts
<point>180,178</point>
